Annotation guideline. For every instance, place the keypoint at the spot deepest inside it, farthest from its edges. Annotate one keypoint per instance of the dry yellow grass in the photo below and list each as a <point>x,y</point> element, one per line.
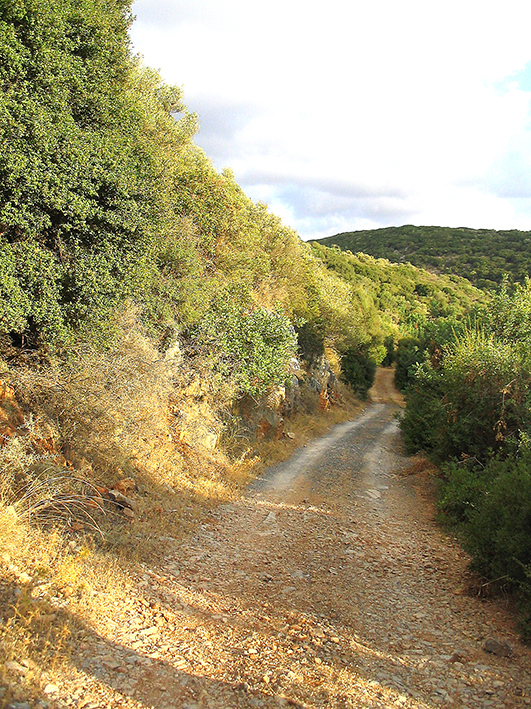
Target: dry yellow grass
<point>420,465</point>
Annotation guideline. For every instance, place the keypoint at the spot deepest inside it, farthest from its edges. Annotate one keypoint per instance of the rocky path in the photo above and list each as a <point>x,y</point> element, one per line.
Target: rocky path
<point>327,585</point>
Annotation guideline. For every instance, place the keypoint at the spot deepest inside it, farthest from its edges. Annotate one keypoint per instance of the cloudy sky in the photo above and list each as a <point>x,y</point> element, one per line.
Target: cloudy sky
<point>346,115</point>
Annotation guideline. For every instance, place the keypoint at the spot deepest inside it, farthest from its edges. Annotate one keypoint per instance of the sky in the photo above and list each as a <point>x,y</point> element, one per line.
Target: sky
<point>345,115</point>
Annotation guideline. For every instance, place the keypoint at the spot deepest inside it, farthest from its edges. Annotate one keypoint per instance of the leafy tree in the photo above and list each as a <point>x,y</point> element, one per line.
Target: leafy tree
<point>358,369</point>
<point>78,174</point>
<point>310,339</point>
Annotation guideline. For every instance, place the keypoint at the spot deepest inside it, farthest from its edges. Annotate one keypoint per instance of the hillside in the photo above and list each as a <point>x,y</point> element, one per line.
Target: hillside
<point>482,256</point>
<point>401,293</point>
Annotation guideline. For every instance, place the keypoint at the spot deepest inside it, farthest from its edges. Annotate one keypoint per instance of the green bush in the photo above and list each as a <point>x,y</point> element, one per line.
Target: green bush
<point>358,370</point>
<point>408,354</point>
<point>491,508</point>
<point>424,415</point>
<point>30,292</point>
<point>252,346</point>
<point>499,530</point>
<point>474,402</point>
<point>389,344</point>
<point>462,486</point>
<point>310,339</point>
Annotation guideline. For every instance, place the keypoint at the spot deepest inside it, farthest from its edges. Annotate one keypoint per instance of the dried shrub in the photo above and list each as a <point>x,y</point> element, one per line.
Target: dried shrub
<point>108,407</point>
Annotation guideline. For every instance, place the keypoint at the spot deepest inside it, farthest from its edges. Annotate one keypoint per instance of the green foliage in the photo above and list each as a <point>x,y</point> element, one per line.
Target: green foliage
<point>476,399</point>
<point>482,256</point>
<point>397,299</point>
<point>431,337</point>
<point>30,292</point>
<point>310,340</point>
<point>469,407</point>
<point>83,139</point>
<point>69,162</point>
<point>358,369</point>
<point>491,508</point>
<point>408,354</point>
<point>509,316</point>
<point>389,344</point>
<point>251,346</point>
<point>499,530</point>
<point>461,489</point>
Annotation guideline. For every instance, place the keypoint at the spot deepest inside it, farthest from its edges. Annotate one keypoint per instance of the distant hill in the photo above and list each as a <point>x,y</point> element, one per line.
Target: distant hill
<point>480,255</point>
<point>400,292</point>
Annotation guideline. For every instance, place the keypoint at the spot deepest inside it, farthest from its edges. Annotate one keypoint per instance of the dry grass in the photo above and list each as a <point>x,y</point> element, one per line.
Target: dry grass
<point>105,409</point>
<point>52,586</point>
<point>33,636</point>
<point>420,464</point>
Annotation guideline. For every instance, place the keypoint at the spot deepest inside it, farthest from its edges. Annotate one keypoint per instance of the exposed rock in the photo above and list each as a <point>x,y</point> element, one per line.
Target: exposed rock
<point>498,647</point>
<point>120,500</point>
<point>14,666</point>
<point>11,416</point>
<point>271,518</point>
<point>459,656</point>
<point>124,486</point>
<point>207,439</point>
<point>315,385</point>
<point>51,689</point>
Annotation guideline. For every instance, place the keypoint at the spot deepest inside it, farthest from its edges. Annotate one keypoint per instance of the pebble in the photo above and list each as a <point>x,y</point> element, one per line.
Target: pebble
<point>14,666</point>
<point>51,689</point>
<point>498,647</point>
<point>148,632</point>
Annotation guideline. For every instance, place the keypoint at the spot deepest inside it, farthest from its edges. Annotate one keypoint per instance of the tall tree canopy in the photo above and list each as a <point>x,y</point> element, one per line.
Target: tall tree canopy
<point>77,178</point>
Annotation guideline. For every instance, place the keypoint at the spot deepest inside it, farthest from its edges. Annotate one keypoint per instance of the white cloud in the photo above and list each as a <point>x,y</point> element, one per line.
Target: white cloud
<point>360,113</point>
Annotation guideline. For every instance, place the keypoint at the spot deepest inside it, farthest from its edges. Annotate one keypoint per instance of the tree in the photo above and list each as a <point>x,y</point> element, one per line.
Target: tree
<point>79,174</point>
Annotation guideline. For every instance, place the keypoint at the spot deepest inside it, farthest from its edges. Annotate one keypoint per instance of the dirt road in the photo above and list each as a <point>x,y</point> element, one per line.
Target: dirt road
<point>327,585</point>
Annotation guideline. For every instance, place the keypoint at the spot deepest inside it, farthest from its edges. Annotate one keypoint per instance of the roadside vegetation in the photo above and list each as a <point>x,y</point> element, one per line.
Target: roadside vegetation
<point>149,309</point>
<point>466,373</point>
<point>469,408</point>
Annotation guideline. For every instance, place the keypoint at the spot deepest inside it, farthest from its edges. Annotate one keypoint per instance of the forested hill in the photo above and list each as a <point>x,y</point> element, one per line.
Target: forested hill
<point>482,256</point>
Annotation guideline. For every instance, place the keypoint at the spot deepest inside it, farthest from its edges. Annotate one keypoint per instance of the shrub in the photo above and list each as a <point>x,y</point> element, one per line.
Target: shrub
<point>424,415</point>
<point>491,508</point>
<point>485,397</point>
<point>498,532</point>
<point>30,291</point>
<point>251,346</point>
<point>475,402</point>
<point>408,353</point>
<point>310,338</point>
<point>462,486</point>
<point>110,406</point>
<point>358,370</point>
<point>389,344</point>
